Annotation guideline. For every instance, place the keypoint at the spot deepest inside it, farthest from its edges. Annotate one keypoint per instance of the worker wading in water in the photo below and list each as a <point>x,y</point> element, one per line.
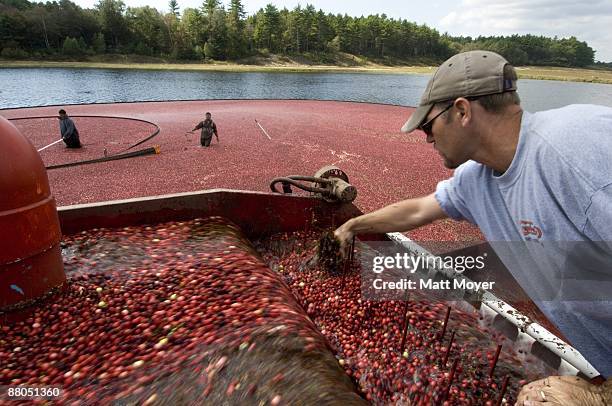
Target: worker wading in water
<point>209,128</point>
<point>69,132</point>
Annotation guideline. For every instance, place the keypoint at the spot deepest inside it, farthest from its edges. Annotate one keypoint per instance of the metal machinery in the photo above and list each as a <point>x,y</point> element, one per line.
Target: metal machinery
<point>329,183</point>
<point>30,258</point>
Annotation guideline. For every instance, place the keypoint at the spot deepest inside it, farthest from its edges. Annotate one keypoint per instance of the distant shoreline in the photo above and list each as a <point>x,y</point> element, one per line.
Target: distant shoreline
<point>527,72</point>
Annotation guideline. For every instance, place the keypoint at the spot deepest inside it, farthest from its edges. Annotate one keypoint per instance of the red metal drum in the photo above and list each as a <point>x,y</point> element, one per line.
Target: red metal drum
<point>30,256</point>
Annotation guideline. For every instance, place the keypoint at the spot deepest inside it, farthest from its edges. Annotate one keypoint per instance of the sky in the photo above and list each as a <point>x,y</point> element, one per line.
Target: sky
<point>587,20</point>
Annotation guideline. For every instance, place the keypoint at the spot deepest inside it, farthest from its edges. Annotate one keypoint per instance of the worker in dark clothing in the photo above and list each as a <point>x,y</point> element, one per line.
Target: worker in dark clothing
<point>208,129</point>
<point>69,132</point>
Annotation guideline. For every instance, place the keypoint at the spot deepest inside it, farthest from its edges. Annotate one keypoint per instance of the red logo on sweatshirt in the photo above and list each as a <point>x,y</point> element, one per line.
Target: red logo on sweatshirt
<point>530,230</point>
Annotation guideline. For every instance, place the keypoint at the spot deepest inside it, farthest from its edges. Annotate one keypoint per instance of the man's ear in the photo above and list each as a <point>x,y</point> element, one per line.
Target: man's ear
<point>463,111</point>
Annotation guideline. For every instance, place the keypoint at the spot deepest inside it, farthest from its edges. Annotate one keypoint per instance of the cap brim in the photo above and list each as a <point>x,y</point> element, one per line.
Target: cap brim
<point>417,118</point>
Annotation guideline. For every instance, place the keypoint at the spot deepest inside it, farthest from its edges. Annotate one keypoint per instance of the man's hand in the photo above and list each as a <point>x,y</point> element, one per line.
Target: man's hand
<point>562,391</point>
<point>344,234</point>
<point>397,217</point>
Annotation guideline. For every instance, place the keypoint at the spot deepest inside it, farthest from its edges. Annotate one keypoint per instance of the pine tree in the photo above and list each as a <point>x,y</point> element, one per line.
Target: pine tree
<point>113,22</point>
<point>236,12</point>
<point>217,35</point>
<point>210,6</point>
<point>99,44</point>
<point>71,47</point>
<point>235,26</point>
<point>174,7</point>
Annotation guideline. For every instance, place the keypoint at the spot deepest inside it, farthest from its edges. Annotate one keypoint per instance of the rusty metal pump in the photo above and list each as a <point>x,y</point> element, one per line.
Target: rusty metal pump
<point>329,183</point>
<point>30,259</point>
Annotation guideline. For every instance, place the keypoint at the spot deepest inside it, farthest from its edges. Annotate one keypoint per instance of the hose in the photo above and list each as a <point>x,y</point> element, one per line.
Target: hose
<point>293,180</point>
<point>141,152</point>
<point>118,155</point>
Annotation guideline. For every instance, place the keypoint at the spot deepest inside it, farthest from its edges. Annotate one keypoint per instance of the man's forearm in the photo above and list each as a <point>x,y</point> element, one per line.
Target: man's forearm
<point>398,217</point>
<point>386,220</point>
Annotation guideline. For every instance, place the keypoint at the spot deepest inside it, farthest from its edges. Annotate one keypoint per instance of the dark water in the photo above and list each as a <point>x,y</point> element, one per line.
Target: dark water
<point>36,87</point>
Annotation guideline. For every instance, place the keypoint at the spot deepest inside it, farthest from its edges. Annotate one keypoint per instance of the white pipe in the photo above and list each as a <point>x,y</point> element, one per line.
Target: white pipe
<point>547,339</point>
<point>50,145</point>
<point>525,326</point>
<point>262,129</point>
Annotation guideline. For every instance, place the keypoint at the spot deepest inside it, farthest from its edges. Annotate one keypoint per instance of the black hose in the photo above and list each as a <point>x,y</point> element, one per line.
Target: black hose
<point>141,152</point>
<point>297,184</point>
<point>310,179</point>
<point>119,154</point>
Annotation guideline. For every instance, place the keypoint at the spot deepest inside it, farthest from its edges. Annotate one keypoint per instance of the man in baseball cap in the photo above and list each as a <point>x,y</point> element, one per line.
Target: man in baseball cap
<point>469,74</point>
<point>543,178</point>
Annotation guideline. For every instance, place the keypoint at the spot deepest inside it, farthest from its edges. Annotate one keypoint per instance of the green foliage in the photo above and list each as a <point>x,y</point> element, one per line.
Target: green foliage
<point>210,6</point>
<point>71,47</point>
<point>174,7</point>
<point>98,43</point>
<point>82,44</point>
<point>217,35</point>
<point>182,47</point>
<point>195,25</point>
<point>237,42</point>
<point>13,53</point>
<point>534,50</point>
<point>17,4</point>
<point>142,49</point>
<point>199,52</point>
<point>208,51</point>
<point>334,45</point>
<point>268,29</point>
<point>28,28</point>
<point>149,31</point>
<point>236,13</point>
<point>111,15</point>
<point>13,30</point>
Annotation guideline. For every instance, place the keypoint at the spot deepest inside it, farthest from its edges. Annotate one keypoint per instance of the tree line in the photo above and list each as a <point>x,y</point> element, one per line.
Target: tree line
<point>221,32</point>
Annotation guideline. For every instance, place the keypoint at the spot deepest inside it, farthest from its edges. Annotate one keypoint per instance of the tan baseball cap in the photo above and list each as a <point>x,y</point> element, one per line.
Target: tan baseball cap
<point>468,74</point>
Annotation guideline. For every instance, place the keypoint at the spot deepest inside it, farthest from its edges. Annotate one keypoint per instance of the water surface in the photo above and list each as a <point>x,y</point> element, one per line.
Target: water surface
<point>26,87</point>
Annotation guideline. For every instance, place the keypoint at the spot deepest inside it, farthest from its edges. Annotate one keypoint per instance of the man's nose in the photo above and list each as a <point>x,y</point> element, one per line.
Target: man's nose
<point>430,138</point>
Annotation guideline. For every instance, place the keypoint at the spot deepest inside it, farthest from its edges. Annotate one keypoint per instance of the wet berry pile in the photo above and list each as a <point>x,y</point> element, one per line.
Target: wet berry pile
<point>175,313</point>
<point>190,312</point>
<point>367,336</point>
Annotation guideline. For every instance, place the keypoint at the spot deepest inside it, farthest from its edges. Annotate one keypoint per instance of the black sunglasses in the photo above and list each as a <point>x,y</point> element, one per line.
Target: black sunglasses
<point>426,127</point>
